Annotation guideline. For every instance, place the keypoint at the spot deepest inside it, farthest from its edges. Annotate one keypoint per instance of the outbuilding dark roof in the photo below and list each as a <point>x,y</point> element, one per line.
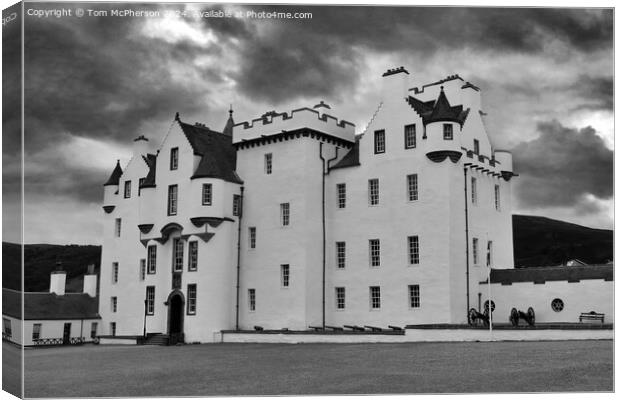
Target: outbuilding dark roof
<point>218,154</point>
<point>116,175</point>
<point>556,273</point>
<point>439,110</point>
<point>45,306</point>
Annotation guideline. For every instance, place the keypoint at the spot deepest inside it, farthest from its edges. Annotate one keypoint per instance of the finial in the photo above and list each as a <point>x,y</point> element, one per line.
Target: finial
<point>441,87</point>
<point>177,117</point>
<point>230,111</point>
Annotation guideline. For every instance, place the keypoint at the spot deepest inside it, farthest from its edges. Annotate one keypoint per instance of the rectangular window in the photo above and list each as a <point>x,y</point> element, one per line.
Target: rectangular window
<point>410,136</point>
<point>474,191</point>
<point>113,303</point>
<point>489,253</point>
<point>152,259</point>
<point>375,297</point>
<point>252,299</point>
<point>379,141</point>
<point>140,183</point>
<point>117,227</point>
<point>497,204</point>
<point>414,296</point>
<point>93,330</point>
<point>373,192</point>
<point>412,187</point>
<point>285,271</point>
<point>127,192</point>
<point>114,272</point>
<point>414,250</point>
<point>375,252</point>
<point>285,214</point>
<point>150,300</point>
<point>191,299</point>
<point>36,331</point>
<point>447,132</point>
<point>142,269</point>
<point>236,205</point>
<point>113,328</point>
<point>206,194</point>
<point>341,188</point>
<point>268,163</point>
<point>193,256</point>
<point>474,251</point>
<point>476,146</point>
<point>341,253</point>
<point>174,158</point>
<point>172,199</point>
<point>6,326</point>
<point>340,299</point>
<point>252,237</point>
<point>177,254</point>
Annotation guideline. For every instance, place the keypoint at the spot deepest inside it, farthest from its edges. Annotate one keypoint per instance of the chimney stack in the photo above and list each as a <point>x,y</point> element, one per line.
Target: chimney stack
<point>90,282</point>
<point>140,146</point>
<point>395,85</point>
<point>58,279</point>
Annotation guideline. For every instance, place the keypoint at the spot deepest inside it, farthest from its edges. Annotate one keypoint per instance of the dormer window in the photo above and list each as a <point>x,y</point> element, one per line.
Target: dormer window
<point>447,132</point>
<point>174,158</point>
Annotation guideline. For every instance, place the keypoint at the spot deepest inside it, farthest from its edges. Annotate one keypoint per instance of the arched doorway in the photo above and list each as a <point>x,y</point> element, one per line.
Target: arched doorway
<point>176,305</point>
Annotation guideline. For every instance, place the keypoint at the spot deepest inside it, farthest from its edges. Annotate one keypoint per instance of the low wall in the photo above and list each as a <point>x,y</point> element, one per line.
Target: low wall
<point>118,340</point>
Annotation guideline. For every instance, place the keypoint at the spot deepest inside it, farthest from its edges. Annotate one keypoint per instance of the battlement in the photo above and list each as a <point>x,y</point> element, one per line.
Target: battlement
<point>274,123</point>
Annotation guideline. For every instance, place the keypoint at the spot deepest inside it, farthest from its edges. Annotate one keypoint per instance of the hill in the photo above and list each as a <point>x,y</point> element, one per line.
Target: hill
<point>544,241</point>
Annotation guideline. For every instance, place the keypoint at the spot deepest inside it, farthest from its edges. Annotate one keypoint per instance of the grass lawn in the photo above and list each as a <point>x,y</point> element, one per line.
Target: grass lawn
<point>284,369</point>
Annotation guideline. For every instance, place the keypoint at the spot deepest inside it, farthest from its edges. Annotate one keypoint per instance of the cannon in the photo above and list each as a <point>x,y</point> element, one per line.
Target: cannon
<point>473,316</point>
<point>516,315</point>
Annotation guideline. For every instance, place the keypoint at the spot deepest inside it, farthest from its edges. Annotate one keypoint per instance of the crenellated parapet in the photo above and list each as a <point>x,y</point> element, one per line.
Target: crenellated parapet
<point>273,123</point>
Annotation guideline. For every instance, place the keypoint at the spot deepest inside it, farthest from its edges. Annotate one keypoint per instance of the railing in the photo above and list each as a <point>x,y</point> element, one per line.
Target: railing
<point>58,341</point>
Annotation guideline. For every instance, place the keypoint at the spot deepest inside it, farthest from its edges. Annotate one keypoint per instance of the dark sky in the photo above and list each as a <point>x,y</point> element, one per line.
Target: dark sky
<point>95,83</point>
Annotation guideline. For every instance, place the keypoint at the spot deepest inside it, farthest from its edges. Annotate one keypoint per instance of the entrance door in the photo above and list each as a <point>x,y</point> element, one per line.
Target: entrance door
<point>175,319</point>
<point>66,335</point>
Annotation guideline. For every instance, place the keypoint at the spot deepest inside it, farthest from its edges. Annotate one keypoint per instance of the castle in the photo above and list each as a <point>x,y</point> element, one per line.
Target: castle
<point>291,220</point>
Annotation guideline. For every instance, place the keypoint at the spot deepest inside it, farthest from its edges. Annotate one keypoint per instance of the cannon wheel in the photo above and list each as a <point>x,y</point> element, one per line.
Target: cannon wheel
<point>531,315</point>
<point>514,317</point>
<point>471,316</point>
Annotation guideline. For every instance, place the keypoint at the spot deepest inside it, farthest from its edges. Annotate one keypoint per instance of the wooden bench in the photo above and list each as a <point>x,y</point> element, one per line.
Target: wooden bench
<point>592,316</point>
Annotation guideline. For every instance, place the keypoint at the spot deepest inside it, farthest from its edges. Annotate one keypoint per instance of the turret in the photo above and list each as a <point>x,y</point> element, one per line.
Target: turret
<point>505,163</point>
<point>442,130</point>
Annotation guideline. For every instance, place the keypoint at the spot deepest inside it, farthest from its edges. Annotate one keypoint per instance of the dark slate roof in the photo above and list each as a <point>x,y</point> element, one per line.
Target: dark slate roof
<point>116,175</point>
<point>556,273</point>
<point>352,158</point>
<point>439,110</point>
<point>49,305</point>
<point>218,154</point>
<point>151,161</point>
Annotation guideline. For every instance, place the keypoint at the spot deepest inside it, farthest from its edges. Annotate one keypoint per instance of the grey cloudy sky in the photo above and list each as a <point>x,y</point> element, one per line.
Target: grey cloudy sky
<point>95,83</point>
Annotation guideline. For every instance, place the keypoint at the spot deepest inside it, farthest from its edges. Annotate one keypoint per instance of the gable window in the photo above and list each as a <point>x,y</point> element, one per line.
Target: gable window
<point>375,252</point>
<point>93,330</point>
<point>414,250</point>
<point>252,299</point>
<point>340,298</point>
<point>174,158</point>
<point>207,189</point>
<point>142,269</point>
<point>380,141</point>
<point>447,132</point>
<point>193,256</point>
<point>474,251</point>
<point>127,189</point>
<point>172,199</point>
<point>177,254</point>
<point>113,303</point>
<point>114,272</point>
<point>341,188</point>
<point>117,227</point>
<point>36,331</point>
<point>341,250</point>
<point>252,237</point>
<point>140,183</point>
<point>375,297</point>
<point>414,296</point>
<point>236,205</point>
<point>268,163</point>
<point>152,258</point>
<point>410,142</point>
<point>474,190</point>
<point>113,328</point>
<point>497,204</point>
<point>285,214</point>
<point>412,187</point>
<point>6,327</point>
<point>373,192</point>
<point>191,299</point>
<point>476,146</point>
<point>150,300</point>
<point>285,271</point>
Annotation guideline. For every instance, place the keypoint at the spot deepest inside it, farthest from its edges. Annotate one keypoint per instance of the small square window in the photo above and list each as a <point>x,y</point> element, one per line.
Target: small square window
<point>447,132</point>
<point>207,195</point>
<point>414,296</point>
<point>375,297</point>
<point>340,298</point>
